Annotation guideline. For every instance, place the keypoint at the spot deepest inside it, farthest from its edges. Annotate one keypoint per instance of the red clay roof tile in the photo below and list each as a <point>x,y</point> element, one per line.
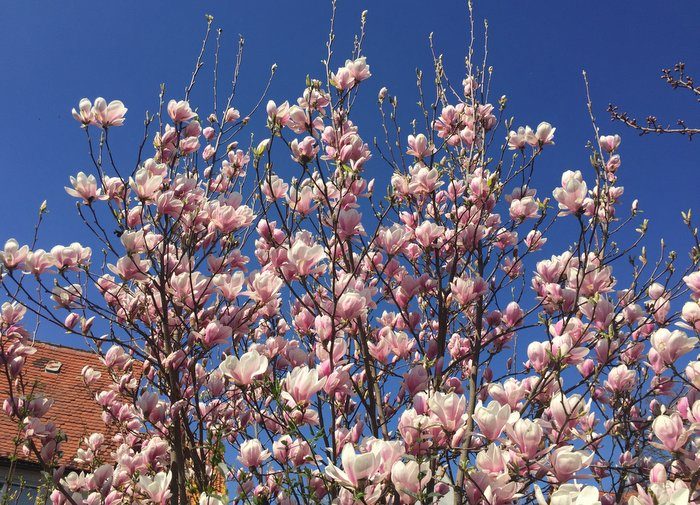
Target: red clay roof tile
<point>75,411</point>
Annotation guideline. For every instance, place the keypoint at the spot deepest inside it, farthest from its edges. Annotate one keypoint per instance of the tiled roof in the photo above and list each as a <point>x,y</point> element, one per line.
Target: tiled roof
<point>75,411</point>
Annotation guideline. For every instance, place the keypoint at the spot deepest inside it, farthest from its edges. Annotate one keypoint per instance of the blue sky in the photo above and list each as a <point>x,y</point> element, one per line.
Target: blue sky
<point>54,53</point>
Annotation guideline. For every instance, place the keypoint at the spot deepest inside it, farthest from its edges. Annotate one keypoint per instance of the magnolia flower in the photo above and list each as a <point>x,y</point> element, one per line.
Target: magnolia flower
<point>356,467</point>
<point>90,375</point>
<point>349,224</point>
<point>67,296</point>
<point>466,290</point>
<point>358,69</point>
<point>527,435</point>
<point>351,305</point>
<point>231,115</point>
<point>206,499</point>
<point>131,268</point>
<point>180,111</point>
<point>410,479</point>
<point>517,140</point>
<point>304,151</point>
<point>429,234</point>
<point>229,285</point>
<point>670,430</point>
<point>620,379</point>
<point>301,384</point>
<point>671,345</point>
<point>244,370</point>
<point>449,409</point>
<point>303,257</point>
<point>296,451</point>
<point>542,136</point>
<point>215,333</point>
<point>569,494</point>
<point>263,286</point>
<point>274,188</point>
<point>157,488</point>
<point>85,187</point>
<point>667,493</point>
<point>609,142</point>
<point>145,184</point>
<point>84,113</point>
<point>107,115</point>
<point>510,392</point>
<point>690,314</point>
<point>71,257</point>
<point>13,255</point>
<point>38,262</point>
<point>277,113</point>
<point>492,419</point>
<point>692,370</point>
<point>353,72</point>
<point>693,283</point>
<point>228,218</point>
<point>572,192</point>
<point>566,461</point>
<point>493,460</point>
<point>567,409</point>
<point>419,146</point>
<point>252,453</point>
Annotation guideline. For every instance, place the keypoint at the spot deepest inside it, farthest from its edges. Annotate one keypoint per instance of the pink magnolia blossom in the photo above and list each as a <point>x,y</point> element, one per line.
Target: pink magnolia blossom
<point>517,139</point>
<point>252,453</point>
<point>304,258</point>
<point>356,467</point>
<point>572,192</point>
<point>620,379</point>
<point>351,305</point>
<point>302,384</point>
<point>609,143</point>
<point>570,494</point>
<point>693,282</point>
<point>244,370</point>
<point>670,430</point>
<point>145,185</point>
<point>84,114</point>
<point>13,255</point>
<point>671,345</point>
<point>215,333</point>
<point>566,462</point>
<point>38,262</point>
<point>85,187</point>
<point>274,188</point>
<point>263,286</point>
<point>467,290</point>
<point>492,460</point>
<point>449,409</point>
<point>543,135</point>
<point>157,487</point>
<point>180,111</point>
<point>492,419</point>
<point>71,257</point>
<point>107,115</point>
<point>410,479</point>
<point>419,146</point>
<point>527,435</point>
<point>231,115</point>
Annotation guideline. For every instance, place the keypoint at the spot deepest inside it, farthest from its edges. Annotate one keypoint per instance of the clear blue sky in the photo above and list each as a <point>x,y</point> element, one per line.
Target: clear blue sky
<point>54,53</point>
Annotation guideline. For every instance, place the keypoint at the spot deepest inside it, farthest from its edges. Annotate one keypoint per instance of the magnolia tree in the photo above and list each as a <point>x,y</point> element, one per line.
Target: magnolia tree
<point>277,328</point>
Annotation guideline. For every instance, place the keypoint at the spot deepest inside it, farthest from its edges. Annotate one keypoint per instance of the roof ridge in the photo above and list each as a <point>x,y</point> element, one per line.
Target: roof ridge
<point>63,346</point>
